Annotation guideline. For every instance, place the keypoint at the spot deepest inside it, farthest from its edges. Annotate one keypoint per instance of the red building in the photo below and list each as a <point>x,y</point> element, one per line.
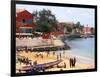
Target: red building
<point>24,22</point>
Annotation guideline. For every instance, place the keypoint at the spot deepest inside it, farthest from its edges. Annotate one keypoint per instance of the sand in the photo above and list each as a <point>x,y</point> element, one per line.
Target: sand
<point>51,58</point>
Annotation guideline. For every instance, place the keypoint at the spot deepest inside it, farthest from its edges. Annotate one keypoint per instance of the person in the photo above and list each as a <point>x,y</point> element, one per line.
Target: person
<point>60,55</point>
<point>74,62</point>
<point>27,61</point>
<point>42,56</point>
<point>48,53</point>
<point>70,62</point>
<point>64,65</point>
<point>19,71</point>
<point>35,62</point>
<point>36,55</point>
<point>53,53</point>
<point>57,57</point>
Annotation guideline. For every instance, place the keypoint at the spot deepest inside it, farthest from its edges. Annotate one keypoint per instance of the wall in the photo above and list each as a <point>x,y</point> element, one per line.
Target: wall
<point>5,38</point>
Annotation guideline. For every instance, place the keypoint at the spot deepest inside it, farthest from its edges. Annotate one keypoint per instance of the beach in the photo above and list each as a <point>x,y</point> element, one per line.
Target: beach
<point>50,58</point>
<point>47,58</point>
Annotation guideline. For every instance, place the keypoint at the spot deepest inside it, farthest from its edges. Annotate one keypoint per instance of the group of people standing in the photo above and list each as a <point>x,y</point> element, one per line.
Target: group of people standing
<point>72,62</point>
<point>24,60</point>
<point>39,55</point>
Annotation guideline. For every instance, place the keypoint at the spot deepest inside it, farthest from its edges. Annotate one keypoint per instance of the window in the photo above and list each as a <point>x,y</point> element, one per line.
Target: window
<point>23,21</point>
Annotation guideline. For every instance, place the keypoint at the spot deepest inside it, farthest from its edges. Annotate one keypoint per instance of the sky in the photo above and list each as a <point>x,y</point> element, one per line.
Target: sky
<point>85,16</point>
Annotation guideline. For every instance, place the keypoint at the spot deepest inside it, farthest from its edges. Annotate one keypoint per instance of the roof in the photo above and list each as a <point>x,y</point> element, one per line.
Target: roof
<point>19,10</point>
<point>24,14</point>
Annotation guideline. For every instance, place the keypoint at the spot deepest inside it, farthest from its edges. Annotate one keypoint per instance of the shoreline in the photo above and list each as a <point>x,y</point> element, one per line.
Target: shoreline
<point>42,57</point>
<point>80,58</point>
<point>51,58</point>
<point>83,60</point>
<point>69,54</point>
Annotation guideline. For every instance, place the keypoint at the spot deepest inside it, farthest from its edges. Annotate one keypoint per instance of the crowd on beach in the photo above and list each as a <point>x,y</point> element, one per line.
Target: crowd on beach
<point>27,61</point>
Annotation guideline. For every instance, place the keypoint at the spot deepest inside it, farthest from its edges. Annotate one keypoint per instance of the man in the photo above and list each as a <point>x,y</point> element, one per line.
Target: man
<point>70,61</point>
<point>74,61</point>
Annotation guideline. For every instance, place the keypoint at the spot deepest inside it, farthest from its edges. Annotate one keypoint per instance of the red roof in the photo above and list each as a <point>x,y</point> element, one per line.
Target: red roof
<point>24,14</point>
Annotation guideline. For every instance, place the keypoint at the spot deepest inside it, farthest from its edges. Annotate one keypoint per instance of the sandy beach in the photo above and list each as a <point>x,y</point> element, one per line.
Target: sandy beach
<point>50,58</point>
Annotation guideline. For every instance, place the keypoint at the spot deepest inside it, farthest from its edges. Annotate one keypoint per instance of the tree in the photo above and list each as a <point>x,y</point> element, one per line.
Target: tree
<point>78,24</point>
<point>45,21</point>
<point>68,28</point>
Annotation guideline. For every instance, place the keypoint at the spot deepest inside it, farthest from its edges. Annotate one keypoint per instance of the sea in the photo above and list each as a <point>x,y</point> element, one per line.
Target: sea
<point>83,49</point>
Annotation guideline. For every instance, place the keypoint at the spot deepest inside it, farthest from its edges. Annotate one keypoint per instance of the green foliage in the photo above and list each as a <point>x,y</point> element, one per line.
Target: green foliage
<point>45,21</point>
<point>69,29</point>
<point>78,24</point>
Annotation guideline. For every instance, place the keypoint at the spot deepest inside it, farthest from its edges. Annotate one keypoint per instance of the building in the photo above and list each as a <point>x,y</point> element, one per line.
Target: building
<point>87,30</point>
<point>61,26</point>
<point>24,23</point>
<point>59,30</point>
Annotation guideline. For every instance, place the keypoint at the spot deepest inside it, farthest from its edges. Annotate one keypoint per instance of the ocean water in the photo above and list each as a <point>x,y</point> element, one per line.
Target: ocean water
<point>83,49</point>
